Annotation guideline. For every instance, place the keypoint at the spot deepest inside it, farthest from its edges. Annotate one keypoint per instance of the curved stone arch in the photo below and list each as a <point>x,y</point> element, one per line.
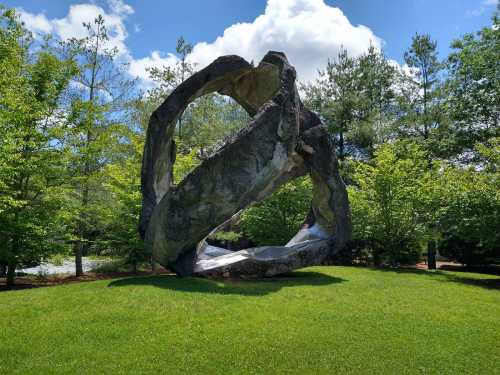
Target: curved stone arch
<point>228,75</point>
<point>283,140</point>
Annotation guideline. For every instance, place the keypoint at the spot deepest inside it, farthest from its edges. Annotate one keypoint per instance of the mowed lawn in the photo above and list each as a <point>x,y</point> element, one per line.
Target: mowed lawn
<point>321,320</point>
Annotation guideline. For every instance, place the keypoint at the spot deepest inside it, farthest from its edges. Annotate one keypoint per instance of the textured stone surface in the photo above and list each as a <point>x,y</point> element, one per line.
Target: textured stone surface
<point>283,140</point>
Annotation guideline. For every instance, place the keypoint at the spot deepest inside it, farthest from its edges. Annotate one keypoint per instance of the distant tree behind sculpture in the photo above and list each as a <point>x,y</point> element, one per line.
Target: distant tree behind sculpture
<point>97,97</point>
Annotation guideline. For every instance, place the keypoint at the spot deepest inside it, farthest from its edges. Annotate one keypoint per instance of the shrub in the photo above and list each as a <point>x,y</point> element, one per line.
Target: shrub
<point>471,218</point>
<point>384,204</point>
<point>275,220</point>
<point>469,252</point>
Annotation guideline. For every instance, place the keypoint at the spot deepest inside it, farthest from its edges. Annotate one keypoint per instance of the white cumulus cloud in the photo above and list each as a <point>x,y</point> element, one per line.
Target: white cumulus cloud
<point>71,26</point>
<point>138,67</point>
<point>36,23</point>
<point>114,14</point>
<point>308,31</point>
<point>119,7</point>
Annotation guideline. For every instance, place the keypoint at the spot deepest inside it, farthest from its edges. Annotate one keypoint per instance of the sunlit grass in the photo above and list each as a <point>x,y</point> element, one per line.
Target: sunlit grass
<point>332,320</point>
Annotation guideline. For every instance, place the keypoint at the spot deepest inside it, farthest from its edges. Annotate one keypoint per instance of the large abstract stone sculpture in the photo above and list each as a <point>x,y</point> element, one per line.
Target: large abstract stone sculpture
<point>283,141</point>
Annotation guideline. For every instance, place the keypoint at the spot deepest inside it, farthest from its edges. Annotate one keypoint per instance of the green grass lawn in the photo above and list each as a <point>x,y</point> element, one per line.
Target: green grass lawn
<point>330,320</point>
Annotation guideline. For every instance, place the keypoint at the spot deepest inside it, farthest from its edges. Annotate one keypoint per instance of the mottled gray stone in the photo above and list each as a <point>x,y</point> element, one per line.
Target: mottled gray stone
<point>283,140</point>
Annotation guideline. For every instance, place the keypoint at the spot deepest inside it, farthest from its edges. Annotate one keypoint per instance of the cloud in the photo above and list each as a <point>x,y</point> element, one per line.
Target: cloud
<point>71,26</point>
<point>114,14</point>
<point>119,7</point>
<point>36,23</point>
<point>485,4</point>
<point>138,67</point>
<point>308,31</point>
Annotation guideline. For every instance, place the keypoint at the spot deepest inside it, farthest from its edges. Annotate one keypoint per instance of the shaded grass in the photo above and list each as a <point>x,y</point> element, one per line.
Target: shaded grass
<point>486,280</point>
<point>341,320</point>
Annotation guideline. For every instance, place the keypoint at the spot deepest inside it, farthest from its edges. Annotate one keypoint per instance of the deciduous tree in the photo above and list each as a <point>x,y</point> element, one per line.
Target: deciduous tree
<point>31,163</point>
<point>100,90</point>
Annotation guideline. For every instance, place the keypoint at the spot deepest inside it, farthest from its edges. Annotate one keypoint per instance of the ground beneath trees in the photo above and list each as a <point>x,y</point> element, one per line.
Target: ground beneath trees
<point>342,320</point>
<point>32,281</point>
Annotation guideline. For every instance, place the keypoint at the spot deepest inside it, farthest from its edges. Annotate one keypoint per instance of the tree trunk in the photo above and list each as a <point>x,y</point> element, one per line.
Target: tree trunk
<point>78,259</point>
<point>431,255</point>
<point>341,146</point>
<point>377,261</point>
<point>3,270</point>
<point>11,274</point>
<point>82,247</point>
<point>153,264</point>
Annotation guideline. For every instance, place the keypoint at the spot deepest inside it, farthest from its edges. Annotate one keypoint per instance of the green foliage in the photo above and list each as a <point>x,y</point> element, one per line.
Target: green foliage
<point>113,266</point>
<point>57,259</point>
<point>400,203</point>
<point>228,236</point>
<point>385,203</point>
<point>31,164</point>
<point>121,214</point>
<point>275,220</point>
<point>422,56</point>
<point>354,98</point>
<point>185,163</point>
<point>471,217</point>
<point>473,86</point>
<point>97,140</point>
<point>423,117</point>
<point>209,121</point>
<point>167,78</point>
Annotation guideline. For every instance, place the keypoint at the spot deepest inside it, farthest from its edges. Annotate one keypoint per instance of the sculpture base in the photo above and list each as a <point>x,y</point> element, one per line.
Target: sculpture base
<point>263,261</point>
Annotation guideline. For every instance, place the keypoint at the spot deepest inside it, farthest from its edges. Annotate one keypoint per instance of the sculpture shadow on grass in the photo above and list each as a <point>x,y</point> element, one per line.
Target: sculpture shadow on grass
<point>254,287</point>
<point>448,277</point>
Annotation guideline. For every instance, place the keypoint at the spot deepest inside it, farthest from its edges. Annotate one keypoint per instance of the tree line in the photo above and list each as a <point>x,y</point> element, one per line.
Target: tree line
<point>419,149</point>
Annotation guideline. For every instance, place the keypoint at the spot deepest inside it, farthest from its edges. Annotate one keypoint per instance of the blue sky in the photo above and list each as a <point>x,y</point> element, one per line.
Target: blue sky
<point>309,31</point>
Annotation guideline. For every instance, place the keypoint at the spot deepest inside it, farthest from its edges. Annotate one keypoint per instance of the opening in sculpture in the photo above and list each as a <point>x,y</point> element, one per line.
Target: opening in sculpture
<point>283,141</point>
